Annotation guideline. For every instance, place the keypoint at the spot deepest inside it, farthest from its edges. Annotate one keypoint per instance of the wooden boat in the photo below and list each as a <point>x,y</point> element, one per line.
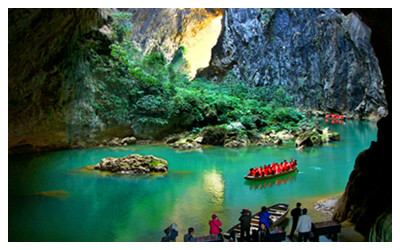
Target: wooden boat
<point>278,214</point>
<point>259,178</point>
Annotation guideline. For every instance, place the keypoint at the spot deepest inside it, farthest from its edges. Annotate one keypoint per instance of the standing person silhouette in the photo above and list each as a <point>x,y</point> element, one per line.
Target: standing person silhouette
<point>245,221</point>
<point>295,213</point>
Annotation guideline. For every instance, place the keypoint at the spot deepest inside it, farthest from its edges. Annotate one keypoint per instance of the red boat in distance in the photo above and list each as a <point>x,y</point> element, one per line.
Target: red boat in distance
<point>338,117</point>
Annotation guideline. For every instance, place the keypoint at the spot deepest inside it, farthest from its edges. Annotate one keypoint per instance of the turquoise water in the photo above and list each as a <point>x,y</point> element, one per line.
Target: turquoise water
<point>131,208</point>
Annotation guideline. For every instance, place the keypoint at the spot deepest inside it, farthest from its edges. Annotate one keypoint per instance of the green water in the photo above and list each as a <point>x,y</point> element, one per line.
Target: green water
<point>123,208</point>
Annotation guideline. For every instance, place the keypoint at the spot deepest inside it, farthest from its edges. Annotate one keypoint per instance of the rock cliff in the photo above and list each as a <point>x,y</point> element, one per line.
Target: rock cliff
<point>49,70</point>
<point>165,30</point>
<point>321,57</point>
<point>367,200</point>
<point>44,53</point>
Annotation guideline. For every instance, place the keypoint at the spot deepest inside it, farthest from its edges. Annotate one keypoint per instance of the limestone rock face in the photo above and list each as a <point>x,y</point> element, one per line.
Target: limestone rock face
<point>164,30</point>
<point>133,164</point>
<point>43,56</point>
<point>369,190</point>
<point>48,70</point>
<point>321,57</point>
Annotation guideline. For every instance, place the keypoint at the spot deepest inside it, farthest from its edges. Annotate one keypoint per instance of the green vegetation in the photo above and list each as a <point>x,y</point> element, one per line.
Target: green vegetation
<point>266,16</point>
<point>153,97</point>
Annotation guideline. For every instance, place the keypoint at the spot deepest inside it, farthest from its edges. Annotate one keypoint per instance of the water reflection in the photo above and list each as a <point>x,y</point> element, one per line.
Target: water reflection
<point>214,186</point>
<point>271,182</point>
<point>335,122</point>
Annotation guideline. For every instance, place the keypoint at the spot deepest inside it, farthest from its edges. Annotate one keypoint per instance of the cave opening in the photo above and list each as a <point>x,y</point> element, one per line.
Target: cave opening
<point>198,48</point>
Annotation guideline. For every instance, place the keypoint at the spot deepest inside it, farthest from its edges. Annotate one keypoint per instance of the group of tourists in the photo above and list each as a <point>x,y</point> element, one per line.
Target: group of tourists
<point>273,168</point>
<point>301,223</point>
<point>335,116</point>
<point>171,232</point>
<point>262,234</point>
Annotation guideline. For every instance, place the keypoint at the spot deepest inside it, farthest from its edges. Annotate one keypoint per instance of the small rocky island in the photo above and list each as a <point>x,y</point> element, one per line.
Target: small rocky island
<point>133,164</point>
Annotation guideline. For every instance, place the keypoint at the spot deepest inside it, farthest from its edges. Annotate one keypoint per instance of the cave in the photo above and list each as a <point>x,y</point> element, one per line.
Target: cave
<point>48,48</point>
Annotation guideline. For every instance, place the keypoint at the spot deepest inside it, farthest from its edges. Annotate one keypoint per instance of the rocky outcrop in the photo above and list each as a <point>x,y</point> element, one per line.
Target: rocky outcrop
<point>44,77</point>
<point>368,192</point>
<point>120,141</point>
<point>382,229</point>
<point>214,135</point>
<point>166,29</point>
<point>367,200</point>
<point>321,57</point>
<point>326,206</point>
<point>188,144</point>
<point>316,137</point>
<point>49,72</point>
<point>133,164</point>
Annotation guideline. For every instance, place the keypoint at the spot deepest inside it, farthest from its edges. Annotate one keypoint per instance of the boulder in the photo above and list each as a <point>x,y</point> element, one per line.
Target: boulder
<point>265,142</point>
<point>198,139</point>
<point>304,139</point>
<point>285,135</point>
<point>129,140</point>
<point>316,139</point>
<point>214,135</point>
<point>133,164</point>
<point>185,145</point>
<point>254,136</point>
<point>172,139</point>
<point>114,142</point>
<point>277,142</point>
<point>236,126</point>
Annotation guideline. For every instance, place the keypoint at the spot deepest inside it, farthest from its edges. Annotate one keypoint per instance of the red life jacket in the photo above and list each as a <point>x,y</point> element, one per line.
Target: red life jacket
<point>253,172</point>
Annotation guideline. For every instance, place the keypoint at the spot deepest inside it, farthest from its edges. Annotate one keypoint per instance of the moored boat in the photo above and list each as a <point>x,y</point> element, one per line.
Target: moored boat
<point>264,177</point>
<point>278,214</point>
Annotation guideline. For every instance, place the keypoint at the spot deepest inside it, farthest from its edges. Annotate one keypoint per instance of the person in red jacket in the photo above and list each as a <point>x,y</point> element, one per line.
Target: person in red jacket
<point>250,172</point>
<point>215,223</point>
<point>260,172</point>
